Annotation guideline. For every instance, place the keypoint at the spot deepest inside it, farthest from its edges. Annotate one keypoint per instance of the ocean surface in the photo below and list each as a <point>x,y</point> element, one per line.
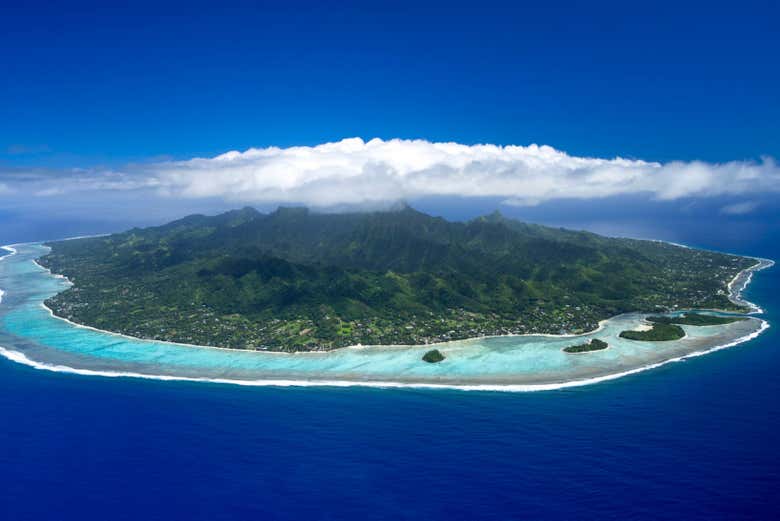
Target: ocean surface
<point>695,440</point>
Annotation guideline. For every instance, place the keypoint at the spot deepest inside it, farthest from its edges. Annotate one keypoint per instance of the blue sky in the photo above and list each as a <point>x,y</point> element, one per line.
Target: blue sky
<point>106,91</point>
<point>91,84</point>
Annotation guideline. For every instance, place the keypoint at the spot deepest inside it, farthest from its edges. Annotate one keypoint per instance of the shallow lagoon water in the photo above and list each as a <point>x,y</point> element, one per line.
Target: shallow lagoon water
<point>30,334</point>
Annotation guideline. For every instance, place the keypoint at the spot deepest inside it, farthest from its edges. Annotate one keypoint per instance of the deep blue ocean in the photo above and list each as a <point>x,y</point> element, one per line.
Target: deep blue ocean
<point>691,440</point>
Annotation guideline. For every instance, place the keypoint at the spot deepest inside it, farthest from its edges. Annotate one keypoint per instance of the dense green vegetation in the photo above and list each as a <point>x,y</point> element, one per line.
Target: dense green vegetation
<point>297,280</point>
<point>695,319</point>
<point>433,356</point>
<point>594,345</point>
<point>660,332</point>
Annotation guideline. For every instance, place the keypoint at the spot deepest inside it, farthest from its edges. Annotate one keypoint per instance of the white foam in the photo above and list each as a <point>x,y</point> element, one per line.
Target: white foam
<point>21,358</point>
<point>11,251</point>
<point>55,275</point>
<point>735,294</point>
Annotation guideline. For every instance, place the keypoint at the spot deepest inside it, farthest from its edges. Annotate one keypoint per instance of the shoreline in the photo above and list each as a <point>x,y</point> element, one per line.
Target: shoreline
<point>734,296</point>
<point>585,352</point>
<point>21,358</point>
<point>744,276</point>
<point>601,324</point>
<point>11,251</point>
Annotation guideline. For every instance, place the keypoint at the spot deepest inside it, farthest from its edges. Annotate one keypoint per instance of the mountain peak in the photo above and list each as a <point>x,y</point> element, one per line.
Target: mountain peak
<point>494,217</point>
<point>238,217</point>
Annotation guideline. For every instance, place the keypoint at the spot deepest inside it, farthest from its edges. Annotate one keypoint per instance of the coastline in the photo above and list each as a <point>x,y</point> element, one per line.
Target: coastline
<point>21,358</point>
<point>742,280</point>
<point>11,251</point>
<point>736,286</point>
<point>600,327</point>
<point>601,324</point>
<point>584,352</point>
<point>745,276</point>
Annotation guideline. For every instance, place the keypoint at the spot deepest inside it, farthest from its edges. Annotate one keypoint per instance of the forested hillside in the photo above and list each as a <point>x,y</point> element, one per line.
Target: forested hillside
<point>298,280</point>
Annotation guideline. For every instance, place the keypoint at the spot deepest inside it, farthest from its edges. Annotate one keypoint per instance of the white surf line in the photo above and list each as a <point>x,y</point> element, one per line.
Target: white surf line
<point>55,275</point>
<point>21,358</point>
<point>11,251</point>
<point>735,296</point>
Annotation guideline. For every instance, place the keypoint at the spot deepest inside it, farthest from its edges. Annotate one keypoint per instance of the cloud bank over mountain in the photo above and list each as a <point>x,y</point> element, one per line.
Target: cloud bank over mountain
<point>356,172</point>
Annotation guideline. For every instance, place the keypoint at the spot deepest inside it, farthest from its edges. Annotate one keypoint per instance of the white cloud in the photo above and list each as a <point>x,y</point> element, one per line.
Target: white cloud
<point>739,208</point>
<point>354,172</point>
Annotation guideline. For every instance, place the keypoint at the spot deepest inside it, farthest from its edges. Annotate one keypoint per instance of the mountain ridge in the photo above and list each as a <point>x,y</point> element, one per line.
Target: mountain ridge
<point>294,279</point>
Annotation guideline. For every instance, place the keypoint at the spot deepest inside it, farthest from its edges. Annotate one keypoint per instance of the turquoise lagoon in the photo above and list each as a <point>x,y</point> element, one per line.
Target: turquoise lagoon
<point>31,335</point>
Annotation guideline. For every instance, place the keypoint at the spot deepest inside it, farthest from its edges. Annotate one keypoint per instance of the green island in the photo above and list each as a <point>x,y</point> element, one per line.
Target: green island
<point>593,345</point>
<point>660,332</point>
<point>695,319</point>
<point>297,280</point>
<point>433,356</point>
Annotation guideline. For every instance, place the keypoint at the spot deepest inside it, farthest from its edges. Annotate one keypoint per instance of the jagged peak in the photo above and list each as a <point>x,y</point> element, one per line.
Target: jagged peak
<point>494,217</point>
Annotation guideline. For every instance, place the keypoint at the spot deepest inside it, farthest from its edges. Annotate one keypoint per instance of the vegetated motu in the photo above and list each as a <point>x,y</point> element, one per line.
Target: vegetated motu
<point>298,280</point>
<point>433,356</point>
<point>660,332</point>
<point>695,319</point>
<point>593,345</point>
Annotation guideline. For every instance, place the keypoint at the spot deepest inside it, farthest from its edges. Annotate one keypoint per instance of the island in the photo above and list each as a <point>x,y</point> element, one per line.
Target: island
<point>659,332</point>
<point>298,280</point>
<point>695,319</point>
<point>594,345</point>
<point>665,328</point>
<point>433,356</point>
